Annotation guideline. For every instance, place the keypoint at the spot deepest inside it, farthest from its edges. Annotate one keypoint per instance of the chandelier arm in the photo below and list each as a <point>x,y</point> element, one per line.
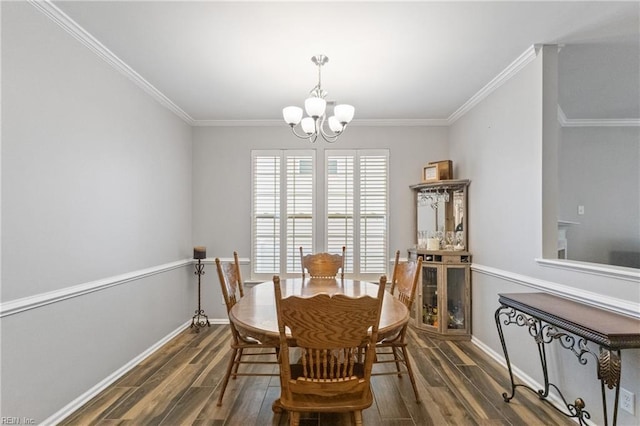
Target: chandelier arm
<point>329,137</point>
<point>305,136</point>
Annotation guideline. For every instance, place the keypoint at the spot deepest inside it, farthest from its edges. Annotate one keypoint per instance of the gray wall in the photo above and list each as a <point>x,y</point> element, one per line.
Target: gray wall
<point>498,146</point>
<point>102,185</point>
<point>96,186</point>
<point>222,183</point>
<point>599,168</point>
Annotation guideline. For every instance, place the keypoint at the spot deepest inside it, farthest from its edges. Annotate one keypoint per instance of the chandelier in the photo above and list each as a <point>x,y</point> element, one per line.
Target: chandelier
<point>315,106</point>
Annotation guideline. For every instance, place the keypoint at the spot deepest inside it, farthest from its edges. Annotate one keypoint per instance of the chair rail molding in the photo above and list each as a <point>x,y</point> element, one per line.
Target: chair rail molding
<point>31,302</point>
<point>621,273</point>
<point>594,299</point>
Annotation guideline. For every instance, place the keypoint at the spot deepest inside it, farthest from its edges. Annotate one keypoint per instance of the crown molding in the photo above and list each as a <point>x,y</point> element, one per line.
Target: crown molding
<point>237,123</point>
<point>562,118</point>
<point>512,69</point>
<point>398,122</point>
<point>595,122</point>
<point>80,34</point>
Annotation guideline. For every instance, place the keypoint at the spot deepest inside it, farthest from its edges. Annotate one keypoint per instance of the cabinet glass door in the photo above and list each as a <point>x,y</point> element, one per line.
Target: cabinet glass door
<point>456,303</point>
<point>430,296</point>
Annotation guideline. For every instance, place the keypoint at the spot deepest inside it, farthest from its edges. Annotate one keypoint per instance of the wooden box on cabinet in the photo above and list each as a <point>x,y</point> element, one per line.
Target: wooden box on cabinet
<point>443,300</point>
<point>445,169</point>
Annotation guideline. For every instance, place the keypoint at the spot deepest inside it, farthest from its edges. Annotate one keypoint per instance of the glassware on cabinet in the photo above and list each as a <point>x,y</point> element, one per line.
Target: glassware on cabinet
<point>430,296</point>
<point>459,241</point>
<point>456,298</point>
<point>449,240</point>
<point>440,237</point>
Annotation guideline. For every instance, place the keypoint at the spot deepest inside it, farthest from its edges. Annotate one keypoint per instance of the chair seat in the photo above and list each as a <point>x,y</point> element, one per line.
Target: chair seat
<point>323,398</point>
<point>329,404</point>
<point>389,336</point>
<point>250,340</point>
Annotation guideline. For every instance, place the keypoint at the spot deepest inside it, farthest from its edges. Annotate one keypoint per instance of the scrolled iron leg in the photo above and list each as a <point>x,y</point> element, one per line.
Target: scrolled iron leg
<point>499,312</point>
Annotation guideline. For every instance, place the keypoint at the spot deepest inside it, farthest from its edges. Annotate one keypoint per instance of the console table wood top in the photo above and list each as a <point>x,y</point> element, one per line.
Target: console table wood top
<point>607,328</point>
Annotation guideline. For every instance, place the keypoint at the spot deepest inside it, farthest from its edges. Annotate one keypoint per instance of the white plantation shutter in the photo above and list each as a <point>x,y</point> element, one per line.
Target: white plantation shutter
<point>299,204</point>
<point>357,208</point>
<point>373,213</point>
<point>283,181</point>
<point>340,206</point>
<point>266,214</point>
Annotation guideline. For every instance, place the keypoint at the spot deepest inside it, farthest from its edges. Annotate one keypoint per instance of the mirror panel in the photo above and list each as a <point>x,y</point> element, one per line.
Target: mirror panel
<point>431,212</point>
<point>441,215</point>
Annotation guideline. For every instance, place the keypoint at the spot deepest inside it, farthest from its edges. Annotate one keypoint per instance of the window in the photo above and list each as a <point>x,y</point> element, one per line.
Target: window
<point>355,201</point>
<point>357,209</point>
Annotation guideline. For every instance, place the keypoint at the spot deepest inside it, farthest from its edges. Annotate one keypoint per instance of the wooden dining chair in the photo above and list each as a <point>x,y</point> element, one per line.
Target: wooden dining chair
<point>328,331</point>
<point>323,265</point>
<point>391,346</point>
<point>246,347</point>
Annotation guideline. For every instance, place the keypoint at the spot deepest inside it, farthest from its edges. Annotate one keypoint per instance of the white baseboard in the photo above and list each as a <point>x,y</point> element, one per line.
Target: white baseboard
<point>522,377</point>
<point>74,405</point>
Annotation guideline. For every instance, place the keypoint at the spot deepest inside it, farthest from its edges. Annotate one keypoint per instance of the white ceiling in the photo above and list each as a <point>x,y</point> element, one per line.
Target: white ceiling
<point>226,60</point>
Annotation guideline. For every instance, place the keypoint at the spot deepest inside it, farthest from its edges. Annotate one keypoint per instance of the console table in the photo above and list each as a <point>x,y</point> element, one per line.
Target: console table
<point>573,324</point>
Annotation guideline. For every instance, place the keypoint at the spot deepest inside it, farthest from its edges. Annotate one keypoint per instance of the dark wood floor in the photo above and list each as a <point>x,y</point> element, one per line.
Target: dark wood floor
<point>179,384</point>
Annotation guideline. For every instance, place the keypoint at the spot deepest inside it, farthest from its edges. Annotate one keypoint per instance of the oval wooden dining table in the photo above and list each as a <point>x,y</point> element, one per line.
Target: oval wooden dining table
<point>256,311</point>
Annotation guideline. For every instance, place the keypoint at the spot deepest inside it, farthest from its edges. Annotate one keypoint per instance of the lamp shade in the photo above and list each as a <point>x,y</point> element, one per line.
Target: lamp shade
<point>308,125</point>
<point>292,115</point>
<point>315,106</point>
<point>334,124</point>
<point>344,113</point>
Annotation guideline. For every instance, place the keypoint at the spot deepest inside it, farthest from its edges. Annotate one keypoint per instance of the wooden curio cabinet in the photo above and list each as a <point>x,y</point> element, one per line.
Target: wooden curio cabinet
<point>443,300</point>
